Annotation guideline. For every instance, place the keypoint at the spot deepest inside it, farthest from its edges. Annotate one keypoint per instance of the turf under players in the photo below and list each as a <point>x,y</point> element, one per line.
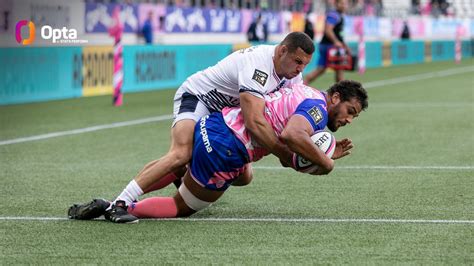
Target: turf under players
<point>224,149</point>
<point>240,79</point>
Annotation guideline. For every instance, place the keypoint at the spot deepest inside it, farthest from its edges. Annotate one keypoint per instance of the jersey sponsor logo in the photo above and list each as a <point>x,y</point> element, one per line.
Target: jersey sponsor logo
<point>260,77</point>
<point>216,101</point>
<point>315,114</point>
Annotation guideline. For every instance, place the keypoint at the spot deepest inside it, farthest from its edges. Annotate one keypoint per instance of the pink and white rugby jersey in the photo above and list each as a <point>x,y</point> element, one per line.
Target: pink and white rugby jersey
<point>279,107</point>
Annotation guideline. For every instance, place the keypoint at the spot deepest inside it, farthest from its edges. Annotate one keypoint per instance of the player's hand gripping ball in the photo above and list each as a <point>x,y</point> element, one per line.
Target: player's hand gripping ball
<point>326,142</point>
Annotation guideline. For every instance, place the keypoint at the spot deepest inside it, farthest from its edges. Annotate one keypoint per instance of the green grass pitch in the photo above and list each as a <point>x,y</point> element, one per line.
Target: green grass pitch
<point>413,160</point>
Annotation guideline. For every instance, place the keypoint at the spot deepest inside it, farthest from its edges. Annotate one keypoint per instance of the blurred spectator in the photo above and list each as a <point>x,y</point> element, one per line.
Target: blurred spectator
<point>415,7</point>
<point>147,29</point>
<point>308,27</point>
<point>333,28</point>
<point>405,31</point>
<point>435,10</point>
<point>258,31</point>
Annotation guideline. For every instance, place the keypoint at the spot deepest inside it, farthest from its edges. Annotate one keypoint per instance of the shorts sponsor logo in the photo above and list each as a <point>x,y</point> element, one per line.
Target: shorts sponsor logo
<point>316,114</point>
<point>205,137</point>
<point>260,77</point>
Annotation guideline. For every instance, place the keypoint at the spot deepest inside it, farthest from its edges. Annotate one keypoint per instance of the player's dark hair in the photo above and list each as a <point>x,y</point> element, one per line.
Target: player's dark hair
<point>297,40</point>
<point>349,89</point>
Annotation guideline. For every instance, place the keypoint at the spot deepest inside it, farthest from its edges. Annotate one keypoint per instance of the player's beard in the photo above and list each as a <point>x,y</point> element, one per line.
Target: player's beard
<point>332,126</point>
<point>332,120</point>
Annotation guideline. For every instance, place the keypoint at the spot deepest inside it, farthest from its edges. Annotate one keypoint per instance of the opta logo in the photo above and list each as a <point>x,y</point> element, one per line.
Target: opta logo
<point>31,27</point>
<point>63,36</point>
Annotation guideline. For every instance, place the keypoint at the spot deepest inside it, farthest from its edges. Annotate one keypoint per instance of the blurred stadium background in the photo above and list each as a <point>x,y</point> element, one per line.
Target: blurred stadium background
<point>192,35</point>
<point>406,196</point>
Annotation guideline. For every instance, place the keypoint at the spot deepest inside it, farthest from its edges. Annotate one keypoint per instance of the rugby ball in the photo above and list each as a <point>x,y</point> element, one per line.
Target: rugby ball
<point>326,142</point>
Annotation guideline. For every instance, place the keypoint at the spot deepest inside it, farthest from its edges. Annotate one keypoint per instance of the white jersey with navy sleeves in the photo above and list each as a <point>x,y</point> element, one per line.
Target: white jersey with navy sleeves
<point>247,70</point>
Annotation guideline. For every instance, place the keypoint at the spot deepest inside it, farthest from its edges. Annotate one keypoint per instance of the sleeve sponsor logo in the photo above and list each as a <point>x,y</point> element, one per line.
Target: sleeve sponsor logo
<point>315,114</point>
<point>260,77</point>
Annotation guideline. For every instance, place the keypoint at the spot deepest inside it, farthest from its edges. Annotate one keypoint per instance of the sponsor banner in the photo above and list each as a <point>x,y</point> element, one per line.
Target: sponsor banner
<point>442,50</point>
<point>349,26</point>
<point>467,48</point>
<point>385,28</point>
<point>185,20</point>
<point>162,67</point>
<point>445,27</point>
<point>471,25</point>
<point>417,27</point>
<point>233,20</point>
<point>247,19</point>
<point>273,22</point>
<point>6,15</point>
<point>371,27</point>
<point>158,16</point>
<point>285,22</point>
<point>97,70</point>
<point>297,21</point>
<point>407,52</point>
<point>319,25</point>
<point>386,54</point>
<point>373,56</point>
<point>98,17</point>
<point>54,15</point>
<point>39,74</point>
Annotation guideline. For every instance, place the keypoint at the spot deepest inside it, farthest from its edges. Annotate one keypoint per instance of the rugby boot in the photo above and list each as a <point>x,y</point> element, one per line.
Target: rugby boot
<point>88,211</point>
<point>119,214</point>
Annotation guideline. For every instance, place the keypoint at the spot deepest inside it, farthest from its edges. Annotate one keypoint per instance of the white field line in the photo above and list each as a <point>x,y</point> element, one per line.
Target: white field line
<point>380,83</point>
<point>422,105</point>
<point>380,167</point>
<point>87,129</point>
<point>277,220</point>
<point>417,77</point>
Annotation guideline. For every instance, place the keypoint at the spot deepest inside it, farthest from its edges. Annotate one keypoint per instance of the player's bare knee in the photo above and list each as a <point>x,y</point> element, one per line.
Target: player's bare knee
<point>243,181</point>
<point>182,157</point>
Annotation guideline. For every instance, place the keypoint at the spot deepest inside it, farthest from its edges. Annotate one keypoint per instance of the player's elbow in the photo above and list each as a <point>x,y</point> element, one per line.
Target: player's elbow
<point>289,137</point>
<point>254,125</point>
<point>326,167</point>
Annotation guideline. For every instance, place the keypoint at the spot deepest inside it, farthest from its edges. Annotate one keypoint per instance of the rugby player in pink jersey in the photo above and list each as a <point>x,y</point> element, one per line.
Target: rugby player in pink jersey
<point>240,79</point>
<point>223,149</point>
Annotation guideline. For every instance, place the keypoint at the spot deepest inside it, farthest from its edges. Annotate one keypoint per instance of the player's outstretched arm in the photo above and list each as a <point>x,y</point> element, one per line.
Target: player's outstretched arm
<point>253,109</point>
<point>297,136</point>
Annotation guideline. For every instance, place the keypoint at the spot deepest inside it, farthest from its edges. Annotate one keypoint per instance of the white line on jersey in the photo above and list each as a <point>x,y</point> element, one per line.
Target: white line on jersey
<point>274,219</point>
<point>380,83</point>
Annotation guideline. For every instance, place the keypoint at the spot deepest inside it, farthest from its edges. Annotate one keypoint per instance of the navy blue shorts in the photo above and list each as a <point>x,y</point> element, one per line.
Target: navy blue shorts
<point>323,54</point>
<point>218,155</point>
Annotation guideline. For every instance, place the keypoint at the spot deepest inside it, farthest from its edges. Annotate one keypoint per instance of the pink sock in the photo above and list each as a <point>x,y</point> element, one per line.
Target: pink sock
<point>155,207</point>
<point>164,181</point>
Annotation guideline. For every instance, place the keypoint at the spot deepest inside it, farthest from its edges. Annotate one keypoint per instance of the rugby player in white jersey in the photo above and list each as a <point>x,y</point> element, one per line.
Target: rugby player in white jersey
<point>241,79</point>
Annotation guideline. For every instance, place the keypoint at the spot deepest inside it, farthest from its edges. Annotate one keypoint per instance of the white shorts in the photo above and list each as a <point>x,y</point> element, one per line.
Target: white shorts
<point>187,106</point>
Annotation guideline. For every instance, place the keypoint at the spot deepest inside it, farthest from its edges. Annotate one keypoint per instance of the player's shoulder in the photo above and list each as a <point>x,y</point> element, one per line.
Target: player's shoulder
<point>258,53</point>
<point>333,14</point>
<point>308,92</point>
